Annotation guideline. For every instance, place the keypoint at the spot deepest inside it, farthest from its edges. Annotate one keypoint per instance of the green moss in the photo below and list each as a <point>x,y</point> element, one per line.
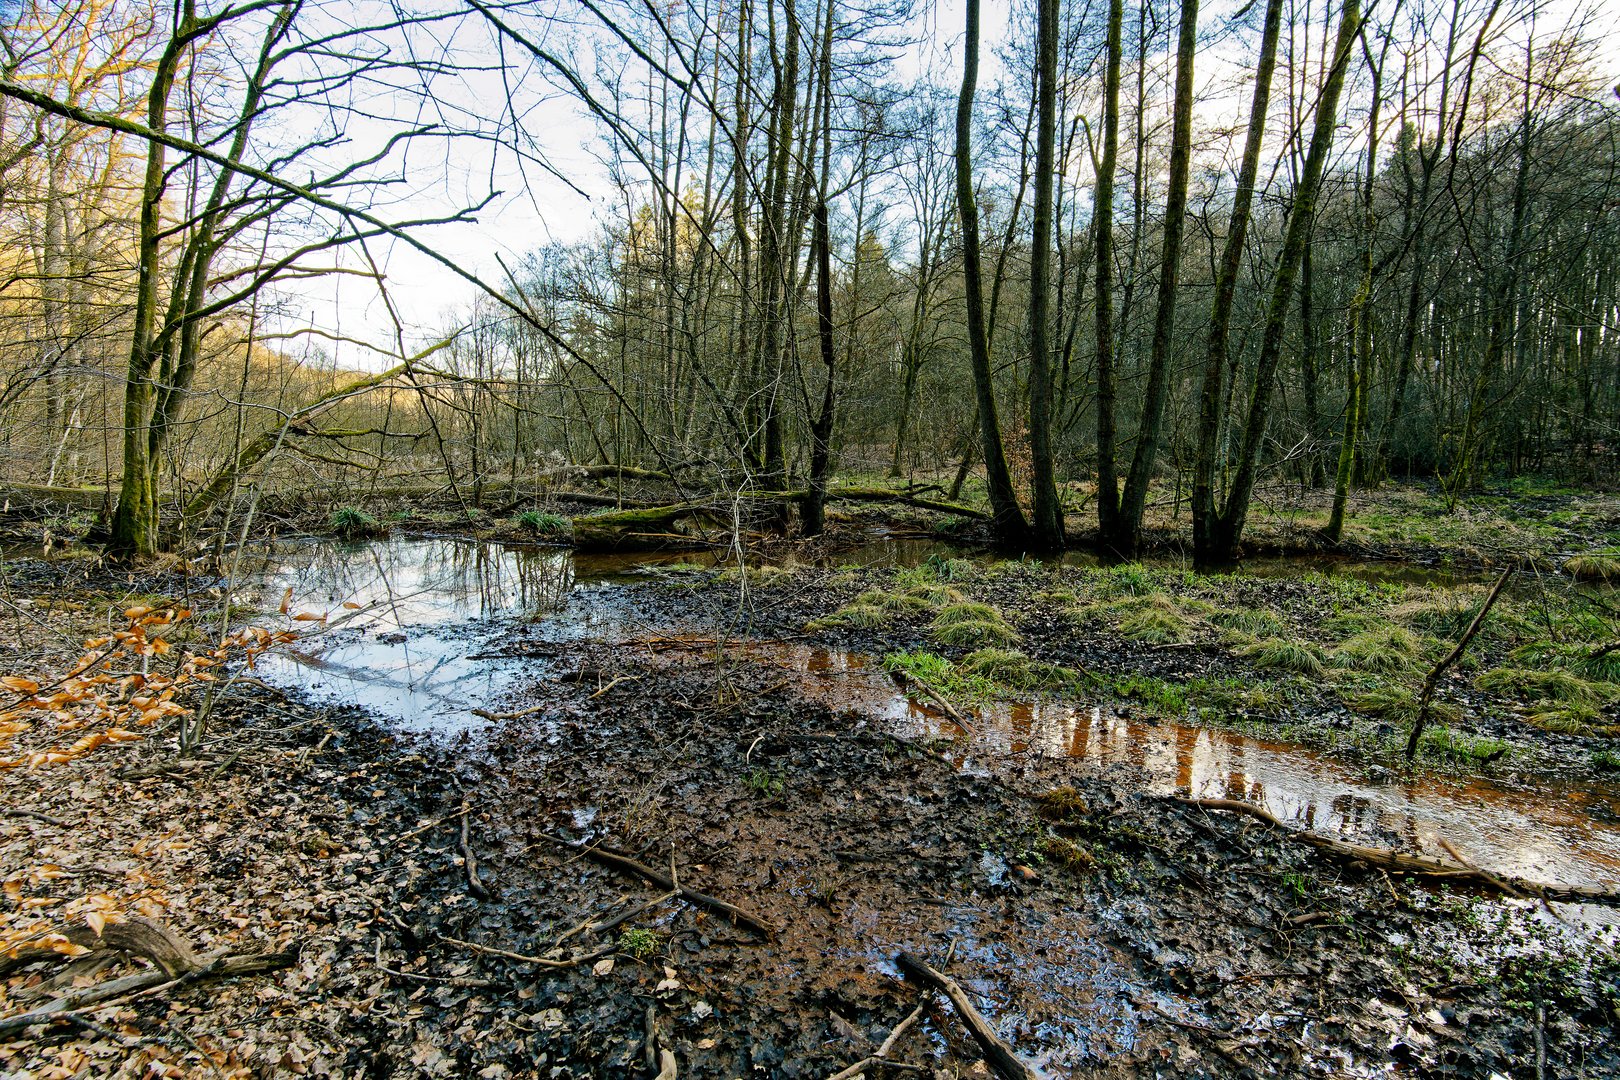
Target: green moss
<point>1392,650</point>
<point>1159,696</point>
<point>1062,802</point>
<point>1460,748</point>
<point>1282,654</point>
<point>1067,854</point>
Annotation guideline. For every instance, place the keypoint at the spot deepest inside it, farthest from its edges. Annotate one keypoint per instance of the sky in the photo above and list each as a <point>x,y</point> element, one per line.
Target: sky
<point>535,208</point>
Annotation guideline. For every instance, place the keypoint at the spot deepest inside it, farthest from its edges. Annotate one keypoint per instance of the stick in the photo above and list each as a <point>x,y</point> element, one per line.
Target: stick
<point>1429,684</point>
<point>658,877</point>
<point>996,1051</point>
<point>490,950</point>
<point>36,816</point>
<point>1422,865</point>
<point>469,860</point>
<point>881,1057</point>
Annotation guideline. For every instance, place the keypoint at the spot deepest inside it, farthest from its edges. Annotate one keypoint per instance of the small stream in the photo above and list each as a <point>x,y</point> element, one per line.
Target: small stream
<point>409,621</point>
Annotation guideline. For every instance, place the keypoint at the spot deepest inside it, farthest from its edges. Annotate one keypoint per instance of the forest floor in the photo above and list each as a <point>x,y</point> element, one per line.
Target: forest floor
<point>1104,927</point>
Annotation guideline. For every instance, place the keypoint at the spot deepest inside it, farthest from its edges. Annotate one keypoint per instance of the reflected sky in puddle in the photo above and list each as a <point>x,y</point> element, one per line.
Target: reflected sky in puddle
<point>410,649</point>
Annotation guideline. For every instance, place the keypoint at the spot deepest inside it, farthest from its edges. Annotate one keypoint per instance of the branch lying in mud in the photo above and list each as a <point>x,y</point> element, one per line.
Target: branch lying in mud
<point>1002,1060</point>
<point>619,861</point>
<point>1421,865</point>
<point>177,965</point>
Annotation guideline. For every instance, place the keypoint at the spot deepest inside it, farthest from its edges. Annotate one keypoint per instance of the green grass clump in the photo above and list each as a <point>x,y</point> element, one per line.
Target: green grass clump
<point>1129,579</point>
<point>1014,670</point>
<point>1594,566</point>
<point>1281,654</point>
<point>1579,659</point>
<point>966,611</point>
<point>1252,621</point>
<point>1552,686</point>
<point>934,595</point>
<point>352,523</point>
<point>1393,650</point>
<point>1574,718</point>
<point>972,625</point>
<point>541,523</point>
<point>1156,624</point>
<point>976,635</point>
<point>854,617</point>
<point>897,603</point>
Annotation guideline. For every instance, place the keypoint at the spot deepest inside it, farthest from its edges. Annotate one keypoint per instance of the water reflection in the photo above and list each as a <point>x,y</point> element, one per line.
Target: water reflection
<point>1562,833</point>
<point>399,640</point>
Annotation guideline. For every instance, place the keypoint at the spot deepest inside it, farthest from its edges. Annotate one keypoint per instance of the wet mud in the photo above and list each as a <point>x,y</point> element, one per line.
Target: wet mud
<point>1113,931</point>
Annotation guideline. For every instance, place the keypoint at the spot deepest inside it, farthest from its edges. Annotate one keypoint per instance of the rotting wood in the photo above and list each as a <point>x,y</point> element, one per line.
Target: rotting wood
<point>147,983</point>
<point>1420,865</point>
<point>620,861</point>
<point>470,861</point>
<point>1000,1056</point>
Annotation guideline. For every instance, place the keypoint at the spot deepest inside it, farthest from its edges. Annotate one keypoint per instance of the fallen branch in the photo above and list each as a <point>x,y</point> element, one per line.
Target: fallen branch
<point>1002,1060</point>
<point>624,862</point>
<point>35,815</point>
<point>541,961</point>
<point>1426,698</point>
<point>468,859</point>
<point>881,1057</point>
<point>1420,865</point>
<point>157,981</point>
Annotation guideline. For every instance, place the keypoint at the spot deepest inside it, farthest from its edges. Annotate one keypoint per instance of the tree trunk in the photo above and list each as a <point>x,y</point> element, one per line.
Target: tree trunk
<point>1210,396</point>
<point>1009,525</point>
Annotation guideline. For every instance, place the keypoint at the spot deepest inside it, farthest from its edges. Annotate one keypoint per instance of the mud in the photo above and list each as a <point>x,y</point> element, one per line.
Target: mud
<point>796,780</point>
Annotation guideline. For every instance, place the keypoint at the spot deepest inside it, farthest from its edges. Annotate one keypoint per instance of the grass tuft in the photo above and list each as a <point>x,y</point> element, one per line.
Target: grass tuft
<point>1281,654</point>
<point>1393,650</point>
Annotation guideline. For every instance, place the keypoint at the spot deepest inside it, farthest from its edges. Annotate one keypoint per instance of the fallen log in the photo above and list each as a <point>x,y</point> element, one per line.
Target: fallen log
<point>654,526</point>
<point>147,982</point>
<point>1419,865</point>
<point>1003,1062</point>
<point>619,861</point>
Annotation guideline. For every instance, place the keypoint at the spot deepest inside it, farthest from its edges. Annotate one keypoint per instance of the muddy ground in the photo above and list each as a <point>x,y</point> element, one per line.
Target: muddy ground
<point>1103,930</point>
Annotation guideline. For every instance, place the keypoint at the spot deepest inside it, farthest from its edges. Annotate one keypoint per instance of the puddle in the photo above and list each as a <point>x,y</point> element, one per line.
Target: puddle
<point>1565,833</point>
<point>412,647</point>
